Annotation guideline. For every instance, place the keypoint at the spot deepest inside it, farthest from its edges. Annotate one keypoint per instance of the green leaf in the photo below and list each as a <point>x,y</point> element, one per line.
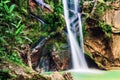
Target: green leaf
<point>1,4</point>
<point>27,38</point>
<point>18,24</point>
<point>44,33</point>
<point>19,30</point>
<point>7,1</point>
<point>101,1</point>
<point>6,8</point>
<point>5,70</point>
<point>3,41</point>
<point>11,8</point>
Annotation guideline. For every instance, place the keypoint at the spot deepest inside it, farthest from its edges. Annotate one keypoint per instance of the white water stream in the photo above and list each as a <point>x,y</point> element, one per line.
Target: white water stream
<point>74,28</point>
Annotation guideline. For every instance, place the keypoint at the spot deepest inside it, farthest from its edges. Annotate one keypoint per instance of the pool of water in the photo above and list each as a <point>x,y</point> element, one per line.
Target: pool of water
<point>102,75</point>
<point>92,74</point>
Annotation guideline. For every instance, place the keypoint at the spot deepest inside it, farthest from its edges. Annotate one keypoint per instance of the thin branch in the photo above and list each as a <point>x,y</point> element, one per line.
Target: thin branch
<point>44,5</point>
<point>37,18</point>
<point>94,7</point>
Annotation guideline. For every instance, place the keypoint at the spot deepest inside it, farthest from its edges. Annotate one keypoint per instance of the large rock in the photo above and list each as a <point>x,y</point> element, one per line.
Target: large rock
<point>98,45</point>
<point>115,46</point>
<point>104,50</point>
<point>112,17</point>
<point>57,76</point>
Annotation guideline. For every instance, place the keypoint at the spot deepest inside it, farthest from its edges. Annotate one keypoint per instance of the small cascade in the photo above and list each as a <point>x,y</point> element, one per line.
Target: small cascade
<point>74,28</point>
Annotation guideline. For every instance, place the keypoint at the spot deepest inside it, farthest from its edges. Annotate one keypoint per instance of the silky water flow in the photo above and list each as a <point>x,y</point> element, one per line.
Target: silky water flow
<point>74,28</point>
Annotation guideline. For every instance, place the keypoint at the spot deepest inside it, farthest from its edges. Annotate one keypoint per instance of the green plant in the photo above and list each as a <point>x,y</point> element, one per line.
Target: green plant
<point>15,58</point>
<point>4,74</point>
<point>105,28</point>
<point>11,25</point>
<point>11,31</point>
<point>96,19</point>
<point>84,29</point>
<point>101,7</point>
<point>54,21</point>
<point>28,71</point>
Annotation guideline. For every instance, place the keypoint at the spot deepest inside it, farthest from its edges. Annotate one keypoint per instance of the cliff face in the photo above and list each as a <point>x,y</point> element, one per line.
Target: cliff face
<point>112,17</point>
<point>104,50</point>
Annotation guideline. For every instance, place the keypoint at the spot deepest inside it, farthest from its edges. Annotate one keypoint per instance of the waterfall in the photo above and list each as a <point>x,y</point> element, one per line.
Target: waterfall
<point>75,36</point>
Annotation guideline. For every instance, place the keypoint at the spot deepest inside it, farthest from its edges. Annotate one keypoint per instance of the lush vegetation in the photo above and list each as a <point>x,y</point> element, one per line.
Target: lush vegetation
<point>11,28</point>
<point>94,12</point>
<point>18,27</point>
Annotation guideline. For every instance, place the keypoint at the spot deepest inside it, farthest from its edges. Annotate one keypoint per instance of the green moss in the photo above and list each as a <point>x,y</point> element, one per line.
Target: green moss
<point>107,29</point>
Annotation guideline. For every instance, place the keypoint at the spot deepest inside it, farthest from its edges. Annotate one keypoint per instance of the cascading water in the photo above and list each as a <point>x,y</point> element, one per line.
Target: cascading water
<point>74,28</point>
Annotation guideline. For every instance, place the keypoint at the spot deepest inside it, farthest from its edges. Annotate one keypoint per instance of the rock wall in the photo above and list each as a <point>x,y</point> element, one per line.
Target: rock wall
<point>105,51</point>
<point>99,46</point>
<point>112,17</point>
<point>115,46</point>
